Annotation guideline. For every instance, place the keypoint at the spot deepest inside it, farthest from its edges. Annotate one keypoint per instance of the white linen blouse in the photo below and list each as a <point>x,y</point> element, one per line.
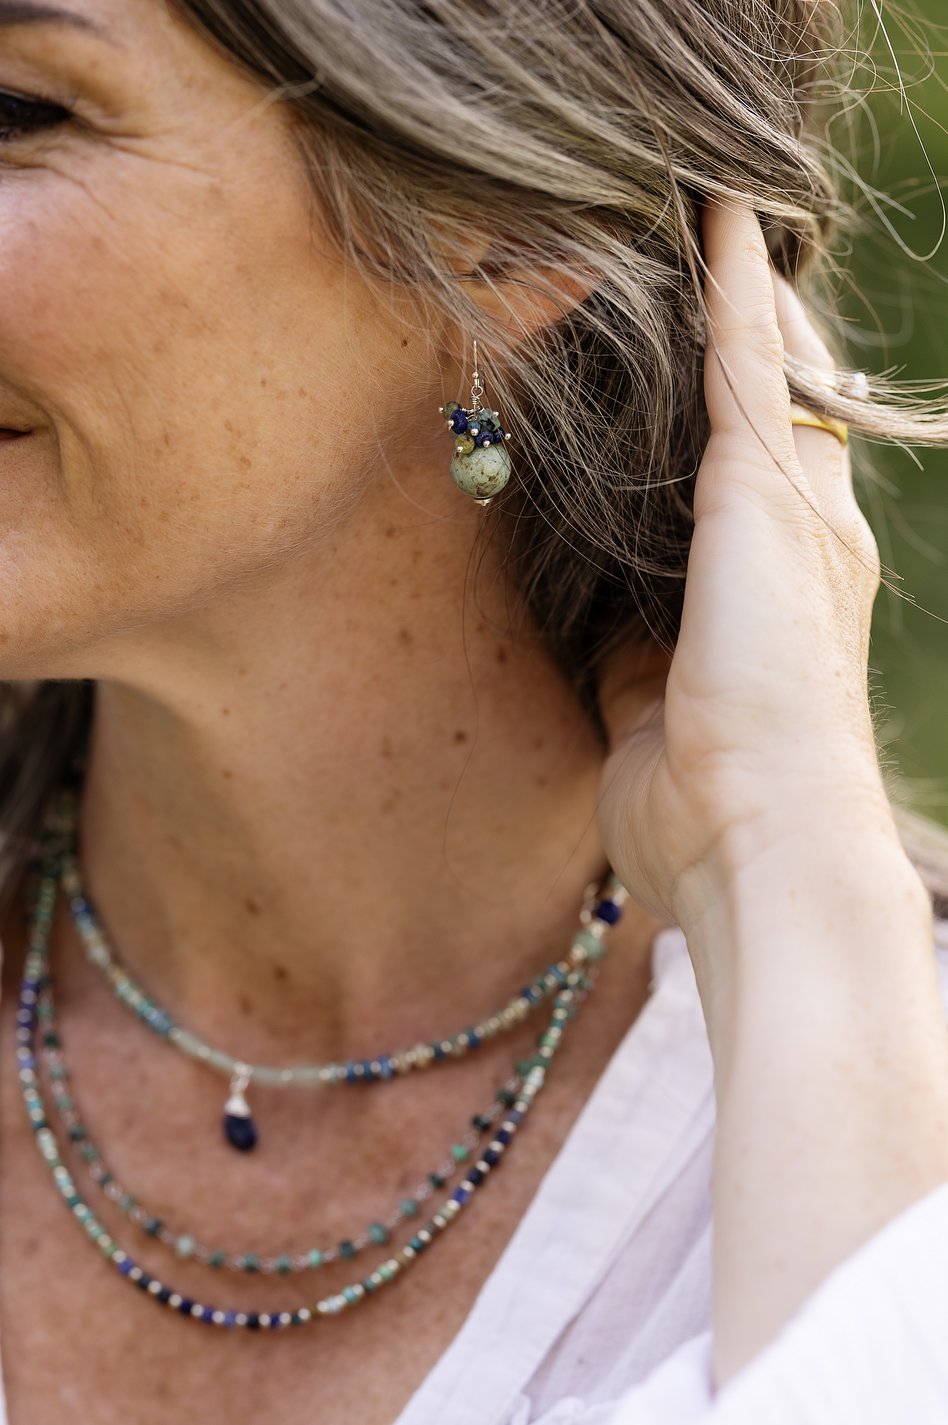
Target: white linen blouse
<point>598,1311</point>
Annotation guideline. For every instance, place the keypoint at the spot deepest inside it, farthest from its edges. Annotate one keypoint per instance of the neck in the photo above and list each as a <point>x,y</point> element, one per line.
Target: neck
<point>336,810</point>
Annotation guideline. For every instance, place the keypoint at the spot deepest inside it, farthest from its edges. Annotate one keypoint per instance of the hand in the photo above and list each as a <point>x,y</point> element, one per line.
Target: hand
<point>760,728</point>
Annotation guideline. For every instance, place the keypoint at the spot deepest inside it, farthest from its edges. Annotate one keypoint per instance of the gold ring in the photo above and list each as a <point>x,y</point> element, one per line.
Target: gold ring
<point>803,416</point>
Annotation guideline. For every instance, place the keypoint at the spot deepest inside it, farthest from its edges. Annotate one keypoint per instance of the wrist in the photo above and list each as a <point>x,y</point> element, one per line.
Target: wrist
<point>809,910</point>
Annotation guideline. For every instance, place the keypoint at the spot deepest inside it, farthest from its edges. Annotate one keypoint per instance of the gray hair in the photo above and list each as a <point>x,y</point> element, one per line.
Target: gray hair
<point>585,134</point>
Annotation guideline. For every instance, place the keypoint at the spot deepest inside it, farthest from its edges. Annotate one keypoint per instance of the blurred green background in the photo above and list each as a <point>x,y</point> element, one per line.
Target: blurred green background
<point>898,313</point>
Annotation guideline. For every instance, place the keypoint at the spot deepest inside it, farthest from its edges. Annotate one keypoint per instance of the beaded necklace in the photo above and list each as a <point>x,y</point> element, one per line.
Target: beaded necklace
<point>37,1029</point>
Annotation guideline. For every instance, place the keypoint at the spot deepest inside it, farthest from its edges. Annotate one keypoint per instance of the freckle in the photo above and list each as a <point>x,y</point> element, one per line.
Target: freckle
<point>543,781</point>
<point>228,425</point>
<point>280,972</point>
<point>244,1003</point>
<point>389,531</point>
<point>404,341</point>
<point>227,773</point>
<point>538,742</point>
<point>252,906</point>
<point>226,712</point>
<point>501,655</point>
<point>393,583</point>
<point>242,672</point>
<point>302,391</point>
<point>386,747</point>
<point>391,802</point>
<point>460,735</point>
<point>166,438</point>
<point>244,462</point>
<point>406,637</point>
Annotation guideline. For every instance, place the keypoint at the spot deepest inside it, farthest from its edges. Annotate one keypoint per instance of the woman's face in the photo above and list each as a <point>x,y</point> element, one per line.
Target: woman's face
<point>206,387</point>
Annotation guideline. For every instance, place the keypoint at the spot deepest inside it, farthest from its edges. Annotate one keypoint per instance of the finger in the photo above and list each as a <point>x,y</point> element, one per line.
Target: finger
<point>824,459</point>
<point>746,390</point>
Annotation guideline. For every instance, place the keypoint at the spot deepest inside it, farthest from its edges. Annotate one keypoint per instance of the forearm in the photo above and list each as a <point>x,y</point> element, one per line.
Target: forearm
<point>831,1069</point>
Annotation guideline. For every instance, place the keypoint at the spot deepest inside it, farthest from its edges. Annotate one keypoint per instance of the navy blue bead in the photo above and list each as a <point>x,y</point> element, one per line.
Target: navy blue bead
<point>253,1321</point>
<point>208,1314</point>
<point>126,1266</point>
<point>484,437</point>
<point>438,1051</point>
<point>275,1322</point>
<point>460,1194</point>
<point>491,1155</point>
<point>367,1069</point>
<point>164,1293</point>
<point>350,1072</point>
<point>240,1132</point>
<point>142,1281</point>
<point>230,1318</point>
<point>458,422</point>
<point>608,911</point>
<point>475,1175</point>
<point>184,1306</point>
<point>515,1115</point>
<point>504,1135</point>
<point>385,1064</point>
<point>474,1039</point>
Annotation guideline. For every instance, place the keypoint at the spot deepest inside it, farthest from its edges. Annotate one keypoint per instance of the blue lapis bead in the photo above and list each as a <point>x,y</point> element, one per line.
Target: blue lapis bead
<point>240,1131</point>
<point>164,1293</point>
<point>608,911</point>
<point>253,1320</point>
<point>475,1175</point>
<point>184,1306</point>
<point>491,1156</point>
<point>459,422</point>
<point>208,1314</point>
<point>484,437</point>
<point>275,1322</point>
<point>460,1194</point>
<point>503,1135</point>
<point>385,1066</point>
<point>473,1038</point>
<point>230,1318</point>
<point>367,1071</point>
<point>126,1266</point>
<point>515,1115</point>
<point>438,1051</point>
<point>143,1281</point>
<point>350,1072</point>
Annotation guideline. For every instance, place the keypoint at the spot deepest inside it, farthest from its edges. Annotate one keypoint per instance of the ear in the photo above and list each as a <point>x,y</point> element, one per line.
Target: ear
<point>522,300</point>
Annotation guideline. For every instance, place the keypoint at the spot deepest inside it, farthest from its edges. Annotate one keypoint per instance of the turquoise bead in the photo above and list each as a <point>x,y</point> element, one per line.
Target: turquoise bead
<point>409,1207</point>
<point>483,473</point>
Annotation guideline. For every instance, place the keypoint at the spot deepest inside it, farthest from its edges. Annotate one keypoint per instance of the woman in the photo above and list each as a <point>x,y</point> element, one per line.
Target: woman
<point>351,754</point>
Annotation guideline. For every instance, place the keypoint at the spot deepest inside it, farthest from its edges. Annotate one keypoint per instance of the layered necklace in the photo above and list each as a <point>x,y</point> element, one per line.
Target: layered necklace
<point>478,1150</point>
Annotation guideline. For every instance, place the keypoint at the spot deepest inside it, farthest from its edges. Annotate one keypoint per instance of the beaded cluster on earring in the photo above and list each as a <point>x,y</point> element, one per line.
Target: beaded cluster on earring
<point>480,465</point>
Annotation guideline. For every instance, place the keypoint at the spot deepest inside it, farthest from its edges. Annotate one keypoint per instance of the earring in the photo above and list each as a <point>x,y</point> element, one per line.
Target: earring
<point>480,465</point>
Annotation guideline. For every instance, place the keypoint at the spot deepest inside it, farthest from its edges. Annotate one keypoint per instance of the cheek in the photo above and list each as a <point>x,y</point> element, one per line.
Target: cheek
<point>202,374</point>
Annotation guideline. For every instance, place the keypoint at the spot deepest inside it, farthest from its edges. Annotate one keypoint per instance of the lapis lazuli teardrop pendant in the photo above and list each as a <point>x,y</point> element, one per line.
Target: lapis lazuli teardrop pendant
<point>239,1127</point>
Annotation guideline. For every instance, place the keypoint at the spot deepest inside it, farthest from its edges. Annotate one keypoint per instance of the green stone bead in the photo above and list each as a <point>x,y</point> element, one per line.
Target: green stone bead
<point>464,445</point>
<point>351,1294</point>
<point>409,1207</point>
<point>153,1226</point>
<point>484,472</point>
<point>216,1259</point>
<point>250,1262</point>
<point>315,1257</point>
<point>378,1232</point>
<point>448,409</point>
<point>460,1152</point>
<point>594,947</point>
<point>283,1265</point>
